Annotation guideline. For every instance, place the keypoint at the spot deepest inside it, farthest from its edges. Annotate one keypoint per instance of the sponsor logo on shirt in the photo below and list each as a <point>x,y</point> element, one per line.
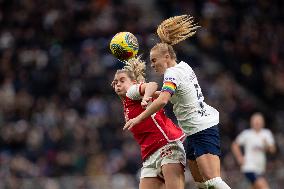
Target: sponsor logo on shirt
<point>170,79</point>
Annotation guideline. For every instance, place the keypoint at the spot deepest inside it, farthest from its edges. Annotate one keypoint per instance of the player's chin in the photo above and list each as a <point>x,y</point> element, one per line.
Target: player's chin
<point>120,93</point>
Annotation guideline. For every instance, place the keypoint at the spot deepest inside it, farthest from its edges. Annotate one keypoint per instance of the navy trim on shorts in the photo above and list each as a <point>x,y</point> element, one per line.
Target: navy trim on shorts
<point>252,176</point>
<point>206,141</point>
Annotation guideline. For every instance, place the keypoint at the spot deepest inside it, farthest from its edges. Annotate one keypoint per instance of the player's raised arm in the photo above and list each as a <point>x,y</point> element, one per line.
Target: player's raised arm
<point>157,104</point>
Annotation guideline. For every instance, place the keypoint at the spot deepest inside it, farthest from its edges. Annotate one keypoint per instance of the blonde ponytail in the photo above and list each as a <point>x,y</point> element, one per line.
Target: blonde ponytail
<point>176,29</point>
<point>135,69</point>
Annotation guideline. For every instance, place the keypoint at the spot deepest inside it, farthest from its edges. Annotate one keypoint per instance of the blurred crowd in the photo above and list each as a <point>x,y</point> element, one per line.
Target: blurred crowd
<point>60,118</point>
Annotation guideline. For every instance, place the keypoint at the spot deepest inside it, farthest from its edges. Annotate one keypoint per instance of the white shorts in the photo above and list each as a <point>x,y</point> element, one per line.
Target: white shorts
<point>171,153</point>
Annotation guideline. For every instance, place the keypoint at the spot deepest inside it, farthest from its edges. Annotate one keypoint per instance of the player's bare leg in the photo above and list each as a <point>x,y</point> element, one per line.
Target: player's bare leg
<point>261,183</point>
<point>151,183</point>
<point>174,175</point>
<point>209,168</point>
<point>194,170</point>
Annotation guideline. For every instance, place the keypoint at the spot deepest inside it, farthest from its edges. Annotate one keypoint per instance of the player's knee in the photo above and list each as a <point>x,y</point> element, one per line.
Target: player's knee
<point>261,184</point>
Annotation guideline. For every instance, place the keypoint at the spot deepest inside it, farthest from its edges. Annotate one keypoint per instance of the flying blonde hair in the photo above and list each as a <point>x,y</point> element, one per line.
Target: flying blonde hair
<point>135,69</point>
<point>136,66</point>
<point>176,29</point>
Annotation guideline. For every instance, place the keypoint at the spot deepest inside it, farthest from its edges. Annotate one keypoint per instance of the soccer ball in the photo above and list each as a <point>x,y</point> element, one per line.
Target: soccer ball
<point>124,45</point>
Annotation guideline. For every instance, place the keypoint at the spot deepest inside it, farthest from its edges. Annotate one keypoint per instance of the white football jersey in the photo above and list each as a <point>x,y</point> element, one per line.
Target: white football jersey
<point>254,149</point>
<point>192,113</point>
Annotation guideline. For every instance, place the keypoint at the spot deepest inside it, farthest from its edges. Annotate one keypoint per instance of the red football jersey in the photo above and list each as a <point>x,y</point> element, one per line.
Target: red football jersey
<point>153,132</point>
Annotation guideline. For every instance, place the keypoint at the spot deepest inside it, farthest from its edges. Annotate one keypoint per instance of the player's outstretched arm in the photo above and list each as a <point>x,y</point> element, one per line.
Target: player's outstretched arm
<point>159,103</point>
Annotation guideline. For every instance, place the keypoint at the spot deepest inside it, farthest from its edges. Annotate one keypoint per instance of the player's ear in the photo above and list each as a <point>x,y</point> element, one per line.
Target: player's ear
<point>112,84</point>
<point>167,56</point>
<point>134,82</point>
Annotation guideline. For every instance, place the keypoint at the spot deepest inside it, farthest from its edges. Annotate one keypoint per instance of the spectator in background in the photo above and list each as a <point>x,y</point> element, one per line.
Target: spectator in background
<point>256,142</point>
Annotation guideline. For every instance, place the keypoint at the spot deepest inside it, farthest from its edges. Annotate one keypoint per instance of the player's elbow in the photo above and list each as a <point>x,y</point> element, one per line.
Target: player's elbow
<point>272,149</point>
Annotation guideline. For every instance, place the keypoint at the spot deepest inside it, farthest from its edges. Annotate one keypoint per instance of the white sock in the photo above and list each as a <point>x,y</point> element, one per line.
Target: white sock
<point>216,183</point>
<point>200,185</point>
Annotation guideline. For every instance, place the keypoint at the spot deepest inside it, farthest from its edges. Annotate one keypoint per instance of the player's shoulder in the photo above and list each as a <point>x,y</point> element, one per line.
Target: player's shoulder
<point>134,87</point>
<point>266,131</point>
<point>134,92</point>
<point>247,132</point>
<point>185,66</point>
<point>171,70</point>
<point>179,69</point>
<point>171,74</point>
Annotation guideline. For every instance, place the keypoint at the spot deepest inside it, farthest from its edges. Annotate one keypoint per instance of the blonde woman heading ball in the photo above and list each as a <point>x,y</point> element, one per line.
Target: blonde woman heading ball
<point>180,86</point>
<point>159,138</point>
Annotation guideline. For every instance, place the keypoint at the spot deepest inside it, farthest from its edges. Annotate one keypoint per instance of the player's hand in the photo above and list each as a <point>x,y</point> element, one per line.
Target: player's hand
<point>145,101</point>
<point>130,123</point>
<point>268,148</point>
